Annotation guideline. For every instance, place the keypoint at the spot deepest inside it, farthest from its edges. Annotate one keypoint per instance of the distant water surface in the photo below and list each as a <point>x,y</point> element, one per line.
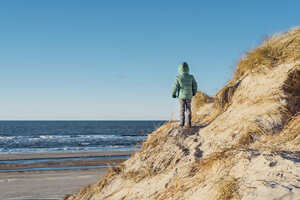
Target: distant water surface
<point>65,136</point>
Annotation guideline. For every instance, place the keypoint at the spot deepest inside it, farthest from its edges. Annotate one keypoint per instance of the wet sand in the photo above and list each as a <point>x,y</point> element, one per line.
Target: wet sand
<point>63,155</point>
<point>52,184</point>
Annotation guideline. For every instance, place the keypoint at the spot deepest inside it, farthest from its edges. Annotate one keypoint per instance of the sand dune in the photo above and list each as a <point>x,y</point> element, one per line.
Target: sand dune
<point>245,143</point>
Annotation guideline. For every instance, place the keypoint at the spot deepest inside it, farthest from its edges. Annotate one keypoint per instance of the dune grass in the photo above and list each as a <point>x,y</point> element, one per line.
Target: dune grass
<point>277,49</point>
<point>214,167</point>
<point>89,191</point>
<point>292,88</point>
<point>200,99</point>
<point>287,140</point>
<point>227,188</point>
<point>154,145</point>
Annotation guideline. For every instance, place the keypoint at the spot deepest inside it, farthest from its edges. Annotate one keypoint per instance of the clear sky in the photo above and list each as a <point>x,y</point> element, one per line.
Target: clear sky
<point>117,60</point>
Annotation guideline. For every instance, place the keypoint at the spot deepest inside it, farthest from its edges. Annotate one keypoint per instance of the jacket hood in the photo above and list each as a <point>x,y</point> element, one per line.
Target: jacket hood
<point>183,68</point>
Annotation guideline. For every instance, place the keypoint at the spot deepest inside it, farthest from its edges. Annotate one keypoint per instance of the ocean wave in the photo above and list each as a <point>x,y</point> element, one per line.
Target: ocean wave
<point>54,137</point>
<point>47,143</point>
<point>67,149</point>
<point>6,137</point>
<point>45,136</point>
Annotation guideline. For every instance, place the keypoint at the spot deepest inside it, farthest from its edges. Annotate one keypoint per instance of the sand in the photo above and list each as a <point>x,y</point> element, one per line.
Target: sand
<point>63,155</point>
<point>244,152</point>
<point>51,184</point>
<point>46,184</point>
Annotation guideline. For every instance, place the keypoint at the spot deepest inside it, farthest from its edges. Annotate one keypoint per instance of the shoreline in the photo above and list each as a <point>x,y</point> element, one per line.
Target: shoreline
<point>46,184</point>
<point>46,155</point>
<point>61,160</point>
<point>60,178</point>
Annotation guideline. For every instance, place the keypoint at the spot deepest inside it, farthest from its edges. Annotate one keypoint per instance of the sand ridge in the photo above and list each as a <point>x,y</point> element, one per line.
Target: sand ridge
<point>245,143</point>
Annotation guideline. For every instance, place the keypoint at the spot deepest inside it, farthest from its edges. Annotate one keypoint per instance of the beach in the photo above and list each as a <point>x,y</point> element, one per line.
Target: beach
<point>49,159</point>
<point>53,175</point>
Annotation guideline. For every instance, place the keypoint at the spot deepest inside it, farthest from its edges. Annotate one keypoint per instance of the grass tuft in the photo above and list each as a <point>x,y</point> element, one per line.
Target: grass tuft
<point>292,88</point>
<point>223,98</point>
<point>89,191</point>
<point>227,188</point>
<point>200,99</point>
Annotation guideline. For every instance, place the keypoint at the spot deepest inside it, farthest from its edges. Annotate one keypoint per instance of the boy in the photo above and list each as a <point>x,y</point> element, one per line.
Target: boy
<point>186,87</point>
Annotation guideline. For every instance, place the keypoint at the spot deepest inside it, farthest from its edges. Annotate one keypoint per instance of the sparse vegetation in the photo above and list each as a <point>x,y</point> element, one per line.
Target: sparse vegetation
<point>292,88</point>
<point>89,191</point>
<point>200,99</point>
<point>223,98</point>
<point>227,188</point>
<point>214,167</point>
<point>275,130</point>
<point>287,140</point>
<point>277,49</point>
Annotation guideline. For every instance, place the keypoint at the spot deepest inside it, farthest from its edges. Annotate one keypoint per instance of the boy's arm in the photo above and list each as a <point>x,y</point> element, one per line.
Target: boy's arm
<point>194,86</point>
<point>175,88</point>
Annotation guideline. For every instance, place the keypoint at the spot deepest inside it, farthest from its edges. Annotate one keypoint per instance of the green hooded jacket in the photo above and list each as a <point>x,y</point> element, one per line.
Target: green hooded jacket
<point>185,86</point>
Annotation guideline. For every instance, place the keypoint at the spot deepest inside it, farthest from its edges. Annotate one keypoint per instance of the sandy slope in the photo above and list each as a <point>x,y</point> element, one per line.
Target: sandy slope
<point>246,144</point>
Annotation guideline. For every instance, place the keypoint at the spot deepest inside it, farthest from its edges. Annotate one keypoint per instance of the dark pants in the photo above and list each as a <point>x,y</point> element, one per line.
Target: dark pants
<point>185,106</point>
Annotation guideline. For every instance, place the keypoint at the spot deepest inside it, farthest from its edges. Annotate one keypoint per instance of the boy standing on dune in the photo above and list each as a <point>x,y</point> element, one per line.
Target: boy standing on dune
<point>185,87</point>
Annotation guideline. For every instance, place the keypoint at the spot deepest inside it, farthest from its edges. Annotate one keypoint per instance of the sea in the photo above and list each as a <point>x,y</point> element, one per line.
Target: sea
<point>73,136</point>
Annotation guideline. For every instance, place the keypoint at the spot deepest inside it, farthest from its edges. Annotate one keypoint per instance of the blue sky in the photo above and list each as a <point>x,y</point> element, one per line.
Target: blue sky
<point>117,60</point>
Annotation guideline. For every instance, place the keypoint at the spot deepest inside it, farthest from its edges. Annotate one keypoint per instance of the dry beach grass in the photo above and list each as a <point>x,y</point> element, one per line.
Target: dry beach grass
<point>244,143</point>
